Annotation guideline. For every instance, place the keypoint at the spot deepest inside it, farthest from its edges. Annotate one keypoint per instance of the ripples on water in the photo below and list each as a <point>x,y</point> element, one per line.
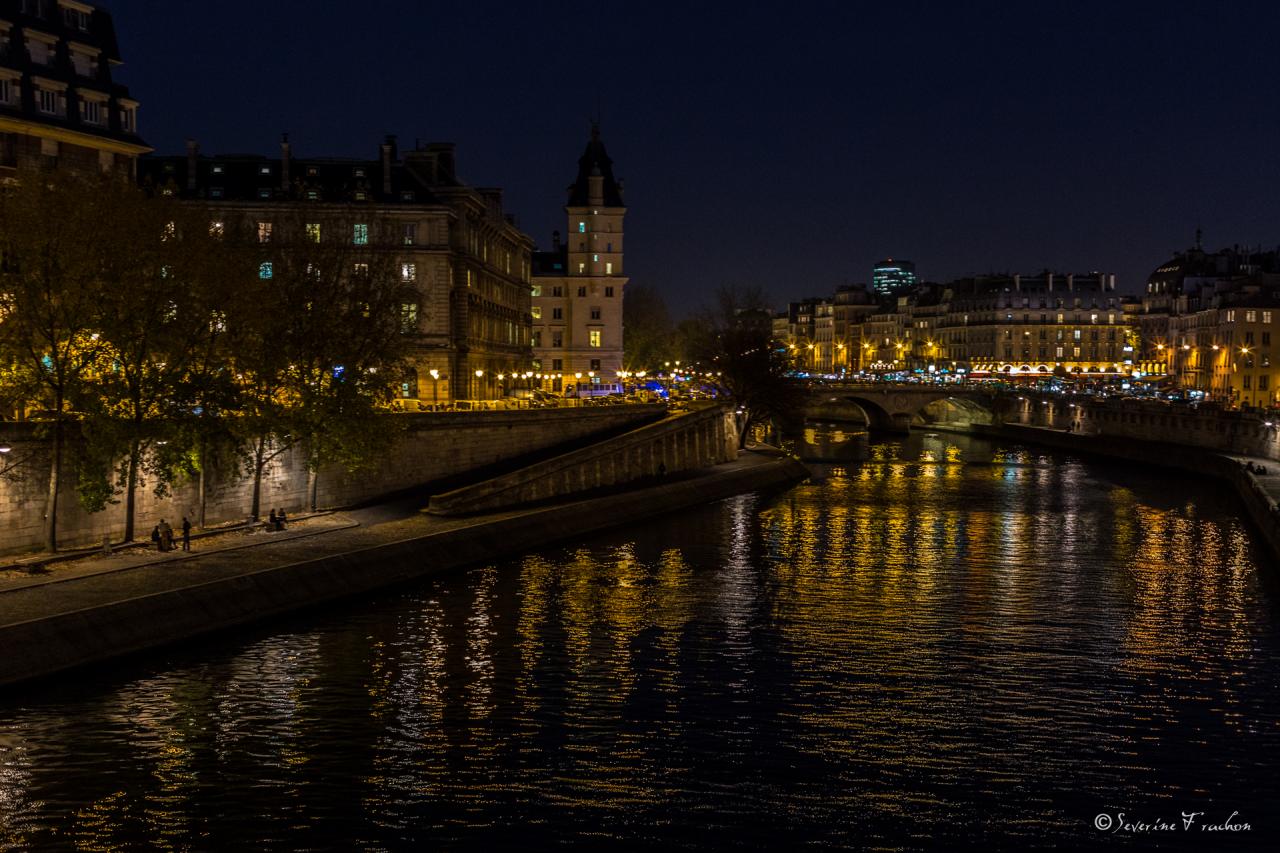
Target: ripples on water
<point>944,645</point>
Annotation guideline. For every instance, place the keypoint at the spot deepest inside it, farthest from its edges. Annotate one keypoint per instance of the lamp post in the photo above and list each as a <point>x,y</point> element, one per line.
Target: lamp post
<point>577,385</point>
<point>479,389</point>
<point>435,387</point>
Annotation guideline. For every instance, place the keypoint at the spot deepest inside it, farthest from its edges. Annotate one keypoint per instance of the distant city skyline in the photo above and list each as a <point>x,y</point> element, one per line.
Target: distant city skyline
<point>770,150</point>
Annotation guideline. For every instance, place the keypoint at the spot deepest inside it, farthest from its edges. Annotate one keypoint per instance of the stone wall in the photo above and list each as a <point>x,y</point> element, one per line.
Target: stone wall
<point>39,647</point>
<point>434,446</point>
<point>1148,420</point>
<point>687,442</point>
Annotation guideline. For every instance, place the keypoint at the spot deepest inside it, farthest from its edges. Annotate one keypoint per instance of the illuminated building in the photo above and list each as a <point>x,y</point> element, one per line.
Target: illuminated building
<point>893,276</point>
<point>1208,318</point>
<point>470,328</point>
<point>578,284</point>
<point>59,105</point>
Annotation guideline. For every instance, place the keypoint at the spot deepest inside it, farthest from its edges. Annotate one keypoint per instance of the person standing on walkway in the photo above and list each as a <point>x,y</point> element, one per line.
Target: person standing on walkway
<point>186,534</point>
<point>155,537</point>
<point>166,536</point>
<point>280,519</point>
<point>272,522</point>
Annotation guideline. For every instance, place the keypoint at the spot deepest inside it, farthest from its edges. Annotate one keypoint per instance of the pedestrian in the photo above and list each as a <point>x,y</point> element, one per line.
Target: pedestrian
<point>166,536</point>
<point>272,522</point>
<point>280,519</point>
<point>186,534</point>
<point>155,537</point>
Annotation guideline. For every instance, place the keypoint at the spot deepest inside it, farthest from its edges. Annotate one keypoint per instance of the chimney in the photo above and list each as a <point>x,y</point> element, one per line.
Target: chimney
<point>1071,282</point>
<point>286,151</point>
<point>388,157</point>
<point>193,162</point>
<point>555,241</point>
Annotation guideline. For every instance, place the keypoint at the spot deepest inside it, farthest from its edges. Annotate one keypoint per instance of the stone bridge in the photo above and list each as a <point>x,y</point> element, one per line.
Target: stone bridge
<point>893,407</point>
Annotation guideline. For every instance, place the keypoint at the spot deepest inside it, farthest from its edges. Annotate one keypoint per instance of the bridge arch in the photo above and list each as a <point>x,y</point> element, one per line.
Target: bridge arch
<point>895,408</point>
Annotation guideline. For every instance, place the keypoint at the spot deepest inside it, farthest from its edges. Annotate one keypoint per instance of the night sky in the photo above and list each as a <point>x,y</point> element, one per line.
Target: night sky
<point>787,145</point>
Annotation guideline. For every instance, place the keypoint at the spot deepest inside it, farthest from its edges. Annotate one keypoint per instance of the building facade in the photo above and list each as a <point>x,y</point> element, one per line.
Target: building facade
<point>468,262</point>
<point>59,105</point>
<point>892,276</point>
<point>578,285</point>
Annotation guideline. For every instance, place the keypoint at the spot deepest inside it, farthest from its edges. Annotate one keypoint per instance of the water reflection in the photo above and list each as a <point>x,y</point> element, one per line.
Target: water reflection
<point>941,639</point>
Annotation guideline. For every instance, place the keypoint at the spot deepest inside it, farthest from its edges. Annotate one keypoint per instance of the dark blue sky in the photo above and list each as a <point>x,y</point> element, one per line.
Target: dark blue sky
<point>788,145</point>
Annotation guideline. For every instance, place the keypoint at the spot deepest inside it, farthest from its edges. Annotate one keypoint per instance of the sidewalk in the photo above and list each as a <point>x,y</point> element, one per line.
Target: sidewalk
<point>96,581</point>
<point>134,556</point>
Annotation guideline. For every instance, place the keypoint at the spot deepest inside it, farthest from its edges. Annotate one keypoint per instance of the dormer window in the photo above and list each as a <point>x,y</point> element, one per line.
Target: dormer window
<point>76,18</point>
<point>264,170</point>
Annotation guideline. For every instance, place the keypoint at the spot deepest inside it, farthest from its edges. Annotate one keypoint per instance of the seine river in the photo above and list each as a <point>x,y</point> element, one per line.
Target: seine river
<point>944,644</point>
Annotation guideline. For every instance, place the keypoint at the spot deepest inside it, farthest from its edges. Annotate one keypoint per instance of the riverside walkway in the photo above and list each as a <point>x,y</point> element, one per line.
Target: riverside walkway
<point>264,573</point>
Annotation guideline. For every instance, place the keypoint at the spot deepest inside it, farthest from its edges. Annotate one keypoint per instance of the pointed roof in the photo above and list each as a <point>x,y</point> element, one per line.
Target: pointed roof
<point>595,161</point>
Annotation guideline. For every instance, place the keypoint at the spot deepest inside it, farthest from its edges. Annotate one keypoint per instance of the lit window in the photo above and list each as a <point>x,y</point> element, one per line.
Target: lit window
<point>1266,316</point>
<point>361,195</point>
<point>536,311</point>
<point>410,234</point>
<point>409,272</point>
<point>536,290</point>
<point>582,228</point>
<point>266,270</point>
<point>264,232</point>
<point>215,192</point>
<point>217,229</point>
<point>313,232</point>
<point>361,235</point>
<point>312,195</point>
<point>595,337</point>
<point>582,268</point>
<point>360,270</point>
<point>1251,316</point>
<point>217,170</point>
<point>264,170</point>
<point>408,317</point>
<point>595,259</point>
<point>608,268</point>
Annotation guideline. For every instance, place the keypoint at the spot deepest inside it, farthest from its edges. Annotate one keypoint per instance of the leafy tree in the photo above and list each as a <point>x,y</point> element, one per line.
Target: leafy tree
<point>733,340</point>
<point>53,241</point>
<point>647,328</point>
<point>317,344</point>
<point>160,324</point>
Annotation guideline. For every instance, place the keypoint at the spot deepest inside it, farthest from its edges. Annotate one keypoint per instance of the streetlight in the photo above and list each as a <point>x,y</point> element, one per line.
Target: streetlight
<point>479,377</point>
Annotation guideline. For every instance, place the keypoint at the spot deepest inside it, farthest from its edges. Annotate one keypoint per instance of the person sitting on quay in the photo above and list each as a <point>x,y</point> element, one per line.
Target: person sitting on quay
<point>166,536</point>
<point>155,537</point>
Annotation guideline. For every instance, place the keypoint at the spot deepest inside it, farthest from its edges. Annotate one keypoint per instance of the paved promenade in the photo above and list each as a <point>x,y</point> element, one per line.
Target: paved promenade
<point>98,580</point>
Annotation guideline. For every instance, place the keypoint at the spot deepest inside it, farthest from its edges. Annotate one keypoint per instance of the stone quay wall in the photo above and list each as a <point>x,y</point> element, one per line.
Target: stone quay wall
<point>1206,427</point>
<point>41,647</point>
<point>687,442</point>
<point>434,446</point>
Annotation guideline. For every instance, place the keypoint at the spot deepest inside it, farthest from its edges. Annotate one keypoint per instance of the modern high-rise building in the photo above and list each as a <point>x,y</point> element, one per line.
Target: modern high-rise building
<point>893,276</point>
<point>58,103</point>
<point>578,284</point>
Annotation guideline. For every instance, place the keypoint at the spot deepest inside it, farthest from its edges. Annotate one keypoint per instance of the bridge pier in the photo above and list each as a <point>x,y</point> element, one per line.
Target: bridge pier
<point>900,423</point>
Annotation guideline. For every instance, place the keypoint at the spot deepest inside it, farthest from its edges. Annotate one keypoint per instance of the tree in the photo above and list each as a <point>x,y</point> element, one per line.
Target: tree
<point>54,252</point>
<point>318,343</point>
<point>734,342</point>
<point>647,329</point>
<point>160,322</point>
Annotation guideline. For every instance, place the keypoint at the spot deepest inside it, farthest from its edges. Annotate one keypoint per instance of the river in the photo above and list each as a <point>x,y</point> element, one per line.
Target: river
<point>943,642</point>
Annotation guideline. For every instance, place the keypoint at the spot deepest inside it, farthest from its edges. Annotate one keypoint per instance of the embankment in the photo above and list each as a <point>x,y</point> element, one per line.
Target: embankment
<point>63,640</point>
